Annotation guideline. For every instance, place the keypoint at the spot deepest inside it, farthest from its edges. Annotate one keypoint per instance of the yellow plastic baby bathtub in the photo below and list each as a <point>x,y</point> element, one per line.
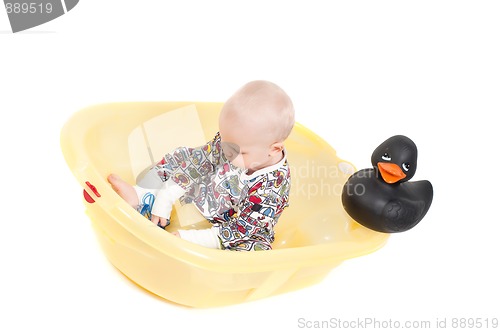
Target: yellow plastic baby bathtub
<point>313,235</point>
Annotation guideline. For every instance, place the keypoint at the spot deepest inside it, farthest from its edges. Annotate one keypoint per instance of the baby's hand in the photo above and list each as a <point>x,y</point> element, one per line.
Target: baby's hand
<point>162,222</point>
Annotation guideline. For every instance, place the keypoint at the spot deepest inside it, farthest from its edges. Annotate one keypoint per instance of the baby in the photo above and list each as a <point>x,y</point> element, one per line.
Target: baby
<point>239,181</point>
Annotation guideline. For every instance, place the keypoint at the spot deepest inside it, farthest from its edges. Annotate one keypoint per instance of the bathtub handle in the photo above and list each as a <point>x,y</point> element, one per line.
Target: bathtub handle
<point>87,196</point>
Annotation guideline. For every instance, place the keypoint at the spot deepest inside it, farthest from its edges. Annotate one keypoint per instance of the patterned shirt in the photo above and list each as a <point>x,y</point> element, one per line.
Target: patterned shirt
<point>244,208</point>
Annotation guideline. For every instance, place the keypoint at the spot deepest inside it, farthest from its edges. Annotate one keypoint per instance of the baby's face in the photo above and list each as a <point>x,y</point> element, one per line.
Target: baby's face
<point>242,147</point>
<point>244,154</point>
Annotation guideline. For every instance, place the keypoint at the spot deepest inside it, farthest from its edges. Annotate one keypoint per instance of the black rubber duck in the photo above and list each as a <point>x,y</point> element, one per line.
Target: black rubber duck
<point>380,198</point>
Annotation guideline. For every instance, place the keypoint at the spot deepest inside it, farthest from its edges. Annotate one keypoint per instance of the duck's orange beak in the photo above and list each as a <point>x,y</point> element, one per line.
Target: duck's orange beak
<point>391,173</point>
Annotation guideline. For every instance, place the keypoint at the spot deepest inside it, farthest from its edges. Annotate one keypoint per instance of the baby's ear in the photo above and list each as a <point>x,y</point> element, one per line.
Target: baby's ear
<point>277,147</point>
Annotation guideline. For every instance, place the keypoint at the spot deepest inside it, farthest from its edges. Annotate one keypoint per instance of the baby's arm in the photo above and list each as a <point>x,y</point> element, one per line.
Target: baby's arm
<point>180,170</point>
<point>165,199</point>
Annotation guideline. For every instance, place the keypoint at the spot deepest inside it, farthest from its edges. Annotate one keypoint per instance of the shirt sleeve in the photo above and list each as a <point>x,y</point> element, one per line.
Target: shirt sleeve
<point>165,198</point>
<point>187,166</point>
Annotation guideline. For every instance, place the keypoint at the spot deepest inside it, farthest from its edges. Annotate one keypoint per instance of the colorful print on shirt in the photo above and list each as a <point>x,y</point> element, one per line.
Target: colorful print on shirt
<point>245,209</point>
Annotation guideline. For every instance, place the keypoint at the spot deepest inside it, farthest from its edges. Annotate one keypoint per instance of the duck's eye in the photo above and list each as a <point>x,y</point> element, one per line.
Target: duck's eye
<point>386,157</point>
<point>406,167</point>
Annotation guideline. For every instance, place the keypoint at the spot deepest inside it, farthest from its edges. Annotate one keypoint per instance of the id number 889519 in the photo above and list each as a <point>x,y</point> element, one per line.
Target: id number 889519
<point>28,7</point>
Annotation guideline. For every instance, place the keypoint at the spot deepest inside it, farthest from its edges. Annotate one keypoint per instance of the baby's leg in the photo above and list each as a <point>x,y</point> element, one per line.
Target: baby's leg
<point>204,237</point>
<point>125,190</point>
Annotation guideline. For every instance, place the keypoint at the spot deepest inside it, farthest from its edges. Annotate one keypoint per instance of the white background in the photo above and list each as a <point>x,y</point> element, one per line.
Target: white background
<point>357,71</point>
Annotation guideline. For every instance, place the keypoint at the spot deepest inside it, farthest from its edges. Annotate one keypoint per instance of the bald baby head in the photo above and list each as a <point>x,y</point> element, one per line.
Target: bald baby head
<point>263,108</point>
<point>254,122</point>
